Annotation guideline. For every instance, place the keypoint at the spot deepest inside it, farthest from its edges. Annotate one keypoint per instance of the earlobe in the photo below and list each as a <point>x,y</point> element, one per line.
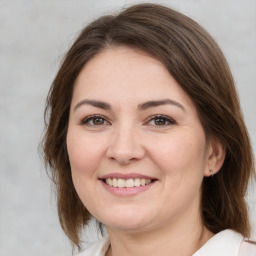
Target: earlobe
<point>215,157</point>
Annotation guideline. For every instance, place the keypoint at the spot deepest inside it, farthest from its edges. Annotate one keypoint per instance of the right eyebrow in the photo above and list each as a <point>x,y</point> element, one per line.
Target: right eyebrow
<point>94,103</point>
<point>156,103</point>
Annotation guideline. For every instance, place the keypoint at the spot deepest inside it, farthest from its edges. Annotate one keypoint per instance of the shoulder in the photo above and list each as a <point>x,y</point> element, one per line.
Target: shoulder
<point>98,249</point>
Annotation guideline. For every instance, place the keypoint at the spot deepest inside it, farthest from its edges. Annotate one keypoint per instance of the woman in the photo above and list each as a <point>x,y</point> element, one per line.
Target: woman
<point>145,134</point>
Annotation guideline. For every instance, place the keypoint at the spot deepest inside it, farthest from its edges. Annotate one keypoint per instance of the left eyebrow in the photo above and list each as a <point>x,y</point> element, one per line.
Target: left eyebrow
<point>94,103</point>
<point>156,103</point>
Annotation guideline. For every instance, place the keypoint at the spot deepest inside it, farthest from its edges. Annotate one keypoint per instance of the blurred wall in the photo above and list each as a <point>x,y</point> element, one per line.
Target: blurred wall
<point>34,36</point>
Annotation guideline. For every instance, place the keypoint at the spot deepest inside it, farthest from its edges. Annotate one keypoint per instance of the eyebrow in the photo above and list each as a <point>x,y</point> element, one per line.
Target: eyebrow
<point>143,106</point>
<point>156,103</point>
<point>94,103</point>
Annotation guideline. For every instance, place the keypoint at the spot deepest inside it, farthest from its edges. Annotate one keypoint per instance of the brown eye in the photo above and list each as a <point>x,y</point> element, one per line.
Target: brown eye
<point>94,121</point>
<point>98,121</point>
<point>161,121</point>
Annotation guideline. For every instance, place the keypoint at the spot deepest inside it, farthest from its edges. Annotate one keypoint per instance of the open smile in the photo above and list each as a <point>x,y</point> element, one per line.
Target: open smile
<point>127,185</point>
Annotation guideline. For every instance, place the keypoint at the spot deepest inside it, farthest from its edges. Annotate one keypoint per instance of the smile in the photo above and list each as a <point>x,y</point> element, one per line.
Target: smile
<point>128,183</point>
<point>124,185</point>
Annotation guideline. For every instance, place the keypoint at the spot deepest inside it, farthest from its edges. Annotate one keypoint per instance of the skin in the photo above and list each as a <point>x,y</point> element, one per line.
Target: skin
<point>127,138</point>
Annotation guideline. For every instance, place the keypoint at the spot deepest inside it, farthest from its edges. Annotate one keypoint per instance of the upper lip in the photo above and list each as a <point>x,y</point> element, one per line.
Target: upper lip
<point>126,176</point>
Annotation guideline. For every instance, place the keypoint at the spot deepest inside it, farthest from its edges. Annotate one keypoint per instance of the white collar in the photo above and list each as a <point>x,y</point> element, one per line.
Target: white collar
<point>98,249</point>
<point>225,243</point>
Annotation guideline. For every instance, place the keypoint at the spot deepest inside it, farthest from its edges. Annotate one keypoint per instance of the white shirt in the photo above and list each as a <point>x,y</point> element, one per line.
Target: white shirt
<point>225,243</point>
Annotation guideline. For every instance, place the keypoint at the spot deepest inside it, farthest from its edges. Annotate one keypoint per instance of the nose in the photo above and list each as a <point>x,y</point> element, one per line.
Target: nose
<point>125,147</point>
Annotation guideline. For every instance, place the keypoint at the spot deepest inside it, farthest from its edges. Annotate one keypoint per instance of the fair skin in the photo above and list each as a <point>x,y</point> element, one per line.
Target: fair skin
<point>132,122</point>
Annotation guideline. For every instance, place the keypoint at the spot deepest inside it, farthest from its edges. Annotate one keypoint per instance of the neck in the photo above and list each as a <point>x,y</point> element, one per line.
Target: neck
<point>179,239</point>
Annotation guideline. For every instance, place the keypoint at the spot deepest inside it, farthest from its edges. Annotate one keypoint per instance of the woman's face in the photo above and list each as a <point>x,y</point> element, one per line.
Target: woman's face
<point>137,149</point>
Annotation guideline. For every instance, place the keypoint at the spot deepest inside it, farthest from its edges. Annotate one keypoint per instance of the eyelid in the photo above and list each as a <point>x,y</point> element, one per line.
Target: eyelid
<point>85,120</point>
<point>170,120</point>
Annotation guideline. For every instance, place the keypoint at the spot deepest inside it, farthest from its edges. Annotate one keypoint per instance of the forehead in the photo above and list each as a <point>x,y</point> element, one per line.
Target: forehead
<point>125,60</point>
<point>122,73</point>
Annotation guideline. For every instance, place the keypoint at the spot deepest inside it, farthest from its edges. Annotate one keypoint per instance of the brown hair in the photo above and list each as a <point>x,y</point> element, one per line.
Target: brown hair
<point>194,59</point>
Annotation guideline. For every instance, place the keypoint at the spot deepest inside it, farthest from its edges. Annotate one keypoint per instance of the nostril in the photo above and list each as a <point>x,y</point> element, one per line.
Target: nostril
<point>125,149</point>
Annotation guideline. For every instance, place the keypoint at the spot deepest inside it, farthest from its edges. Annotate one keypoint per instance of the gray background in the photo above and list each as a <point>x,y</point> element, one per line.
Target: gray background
<point>34,36</point>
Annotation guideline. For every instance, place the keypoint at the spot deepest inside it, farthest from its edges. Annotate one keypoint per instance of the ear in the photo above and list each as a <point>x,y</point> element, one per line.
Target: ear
<point>215,157</point>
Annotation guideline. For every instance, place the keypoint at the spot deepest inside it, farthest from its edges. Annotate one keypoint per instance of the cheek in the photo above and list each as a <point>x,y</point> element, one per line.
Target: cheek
<point>180,155</point>
<point>181,161</point>
<point>84,154</point>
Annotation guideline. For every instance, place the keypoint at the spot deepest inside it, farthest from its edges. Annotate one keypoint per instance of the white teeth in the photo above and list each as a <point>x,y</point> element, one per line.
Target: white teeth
<point>114,183</point>
<point>109,182</point>
<point>148,181</point>
<point>137,182</point>
<point>142,182</point>
<point>130,183</point>
<point>121,183</point>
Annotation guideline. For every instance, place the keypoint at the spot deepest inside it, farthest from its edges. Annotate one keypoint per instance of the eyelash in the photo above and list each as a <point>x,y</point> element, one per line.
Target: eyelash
<point>92,118</point>
<point>163,118</point>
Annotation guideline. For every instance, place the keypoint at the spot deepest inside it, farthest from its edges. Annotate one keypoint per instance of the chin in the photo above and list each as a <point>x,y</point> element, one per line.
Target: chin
<point>127,221</point>
<point>127,227</point>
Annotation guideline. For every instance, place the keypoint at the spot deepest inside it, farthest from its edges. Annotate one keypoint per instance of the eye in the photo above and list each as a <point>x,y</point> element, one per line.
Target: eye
<point>94,120</point>
<point>161,120</point>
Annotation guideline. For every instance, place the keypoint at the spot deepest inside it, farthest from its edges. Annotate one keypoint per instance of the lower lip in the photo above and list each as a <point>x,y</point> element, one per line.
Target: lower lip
<point>127,191</point>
